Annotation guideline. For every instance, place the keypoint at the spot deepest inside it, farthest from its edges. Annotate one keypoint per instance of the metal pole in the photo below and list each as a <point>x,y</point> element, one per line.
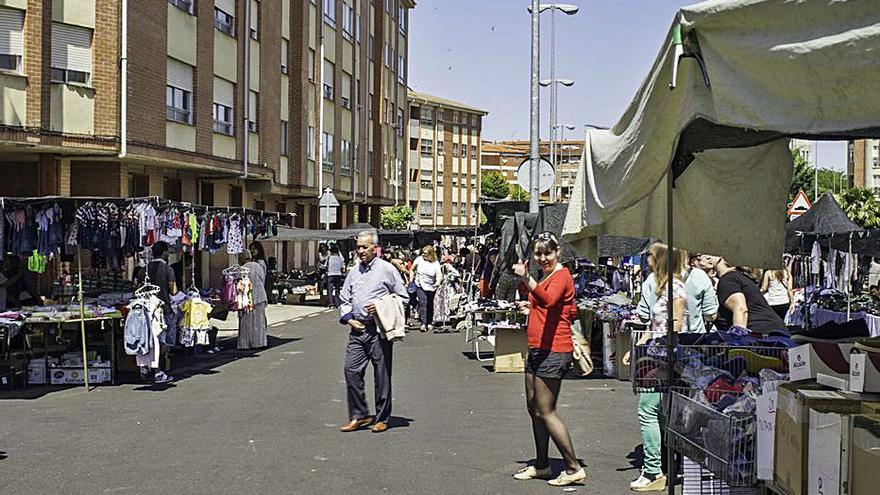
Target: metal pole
<point>246,133</point>
<point>815,171</point>
<point>553,97</point>
<point>82,318</point>
<point>670,316</point>
<point>534,134</point>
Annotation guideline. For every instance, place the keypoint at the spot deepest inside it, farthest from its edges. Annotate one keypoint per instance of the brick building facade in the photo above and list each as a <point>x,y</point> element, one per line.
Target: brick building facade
<point>61,95</point>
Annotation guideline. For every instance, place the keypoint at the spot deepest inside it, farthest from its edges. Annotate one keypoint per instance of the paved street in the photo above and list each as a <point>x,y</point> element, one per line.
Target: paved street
<point>268,423</point>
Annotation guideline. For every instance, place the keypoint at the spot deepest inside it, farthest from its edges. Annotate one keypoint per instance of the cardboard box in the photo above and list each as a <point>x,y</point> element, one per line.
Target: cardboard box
<point>792,429</point>
<point>75,376</point>
<point>828,454</point>
<point>36,372</point>
<point>864,372</point>
<point>511,350</point>
<point>864,451</point>
<point>766,427</point>
<point>826,363</point>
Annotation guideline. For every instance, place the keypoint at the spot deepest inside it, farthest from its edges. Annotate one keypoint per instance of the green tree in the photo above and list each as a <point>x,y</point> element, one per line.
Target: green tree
<point>396,217</point>
<point>494,185</point>
<point>861,206</point>
<point>518,194</point>
<point>802,179</point>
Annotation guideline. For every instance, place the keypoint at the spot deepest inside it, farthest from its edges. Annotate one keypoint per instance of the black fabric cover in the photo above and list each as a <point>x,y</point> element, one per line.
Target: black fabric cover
<point>613,245</point>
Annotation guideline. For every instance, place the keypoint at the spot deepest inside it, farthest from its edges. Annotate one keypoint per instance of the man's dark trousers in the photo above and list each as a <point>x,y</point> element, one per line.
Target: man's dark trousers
<point>364,347</point>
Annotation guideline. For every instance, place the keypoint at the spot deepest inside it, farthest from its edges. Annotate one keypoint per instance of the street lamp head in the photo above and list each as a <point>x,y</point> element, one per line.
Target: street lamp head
<point>564,7</point>
<point>565,82</point>
<point>591,126</point>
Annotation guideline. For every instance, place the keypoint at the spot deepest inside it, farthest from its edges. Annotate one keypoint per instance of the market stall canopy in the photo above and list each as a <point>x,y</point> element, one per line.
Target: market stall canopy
<point>299,234</point>
<point>824,219</point>
<point>771,69</point>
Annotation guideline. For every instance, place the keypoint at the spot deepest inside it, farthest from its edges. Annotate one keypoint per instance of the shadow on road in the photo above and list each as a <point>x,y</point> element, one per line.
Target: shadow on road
<point>636,458</point>
<point>3,455</point>
<point>557,465</point>
<point>398,422</point>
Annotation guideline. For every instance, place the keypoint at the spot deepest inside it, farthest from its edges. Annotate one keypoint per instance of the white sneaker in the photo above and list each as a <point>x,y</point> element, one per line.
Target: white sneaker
<point>161,377</point>
<point>564,478</point>
<point>645,484</point>
<point>531,473</point>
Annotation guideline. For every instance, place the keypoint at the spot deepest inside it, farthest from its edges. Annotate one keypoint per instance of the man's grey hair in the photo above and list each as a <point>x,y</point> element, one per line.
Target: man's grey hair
<point>367,234</point>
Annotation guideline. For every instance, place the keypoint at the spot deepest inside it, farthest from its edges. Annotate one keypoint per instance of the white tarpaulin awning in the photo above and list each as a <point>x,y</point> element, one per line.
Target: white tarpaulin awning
<point>777,69</point>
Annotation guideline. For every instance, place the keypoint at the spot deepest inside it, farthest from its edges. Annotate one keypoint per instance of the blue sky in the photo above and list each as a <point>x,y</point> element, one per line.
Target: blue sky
<point>477,52</point>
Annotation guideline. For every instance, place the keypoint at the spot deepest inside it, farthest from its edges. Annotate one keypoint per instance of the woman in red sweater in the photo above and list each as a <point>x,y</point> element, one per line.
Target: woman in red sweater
<point>550,308</point>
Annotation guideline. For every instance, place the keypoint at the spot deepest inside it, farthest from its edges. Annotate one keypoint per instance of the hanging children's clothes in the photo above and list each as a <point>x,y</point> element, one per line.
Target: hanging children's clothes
<point>195,323</point>
<point>143,325</point>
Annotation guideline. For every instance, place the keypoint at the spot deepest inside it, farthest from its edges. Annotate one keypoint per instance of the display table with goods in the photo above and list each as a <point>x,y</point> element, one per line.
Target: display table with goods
<point>499,325</point>
<point>615,315</point>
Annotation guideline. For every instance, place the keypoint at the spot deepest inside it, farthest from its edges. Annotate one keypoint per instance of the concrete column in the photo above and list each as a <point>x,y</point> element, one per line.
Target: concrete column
<point>64,177</point>
<point>157,184</point>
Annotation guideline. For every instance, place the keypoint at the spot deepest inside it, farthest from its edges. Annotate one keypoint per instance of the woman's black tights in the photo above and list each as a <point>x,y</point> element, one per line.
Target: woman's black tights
<point>541,397</point>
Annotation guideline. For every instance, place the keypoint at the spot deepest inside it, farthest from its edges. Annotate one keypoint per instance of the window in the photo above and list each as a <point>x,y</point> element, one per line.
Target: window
<point>399,122</point>
<point>345,96</point>
<point>440,114</point>
<point>311,67</point>
<point>255,20</point>
<point>474,151</point>
<point>387,54</point>
<point>327,152</point>
<point>454,209</point>
<point>224,101</point>
<point>427,115</point>
<point>11,39</point>
<point>347,21</point>
<point>455,149</point>
<point>330,12</point>
<point>310,143</point>
<point>222,119</point>
<point>178,94</point>
<point>345,152</point>
<point>224,22</point>
<point>455,117</point>
<point>371,42</point>
<point>474,120</point>
<point>440,208</point>
<point>425,207</point>
<point>440,148</point>
<point>401,68</point>
<point>328,79</point>
<point>285,52</point>
<point>184,5</point>
<point>71,54</point>
<point>357,25</point>
<point>401,19</point>
<point>464,150</point>
<point>253,108</point>
<point>427,147</point>
<point>284,141</point>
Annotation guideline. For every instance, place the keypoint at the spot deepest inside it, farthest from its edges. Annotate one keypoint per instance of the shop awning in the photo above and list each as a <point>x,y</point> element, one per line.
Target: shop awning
<point>299,234</point>
<point>775,69</point>
<point>824,219</point>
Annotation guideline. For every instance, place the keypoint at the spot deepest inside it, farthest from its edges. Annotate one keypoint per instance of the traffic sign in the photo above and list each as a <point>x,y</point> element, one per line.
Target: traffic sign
<point>799,206</point>
<point>547,175</point>
<point>328,214</point>
<point>328,199</point>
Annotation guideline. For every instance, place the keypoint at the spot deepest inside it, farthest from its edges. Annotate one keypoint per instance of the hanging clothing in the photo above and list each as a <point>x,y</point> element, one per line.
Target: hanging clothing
<point>816,259</point>
<point>235,242</point>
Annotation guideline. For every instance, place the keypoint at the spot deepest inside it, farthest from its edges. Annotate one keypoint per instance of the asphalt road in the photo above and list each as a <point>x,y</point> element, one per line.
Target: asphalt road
<point>268,423</point>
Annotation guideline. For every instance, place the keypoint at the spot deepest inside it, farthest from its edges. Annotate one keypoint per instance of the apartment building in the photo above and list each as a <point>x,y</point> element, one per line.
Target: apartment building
<point>249,102</point>
<point>505,157</point>
<point>863,164</point>
<point>443,160</point>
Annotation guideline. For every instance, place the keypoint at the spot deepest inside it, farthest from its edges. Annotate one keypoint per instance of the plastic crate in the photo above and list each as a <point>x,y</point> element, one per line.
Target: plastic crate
<point>723,444</point>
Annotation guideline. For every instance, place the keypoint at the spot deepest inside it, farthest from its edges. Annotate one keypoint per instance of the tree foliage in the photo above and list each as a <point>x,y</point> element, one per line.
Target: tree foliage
<point>803,178</point>
<point>861,206</point>
<point>517,193</point>
<point>397,217</point>
<point>494,185</point>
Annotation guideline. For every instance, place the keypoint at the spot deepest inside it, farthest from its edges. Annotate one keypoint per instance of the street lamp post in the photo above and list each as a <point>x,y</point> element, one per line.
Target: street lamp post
<point>535,9</point>
<point>534,110</point>
<point>562,128</point>
<point>552,84</point>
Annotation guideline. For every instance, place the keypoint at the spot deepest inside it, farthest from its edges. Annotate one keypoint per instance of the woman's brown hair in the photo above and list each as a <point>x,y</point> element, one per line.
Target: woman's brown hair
<point>661,269</point>
<point>429,254</point>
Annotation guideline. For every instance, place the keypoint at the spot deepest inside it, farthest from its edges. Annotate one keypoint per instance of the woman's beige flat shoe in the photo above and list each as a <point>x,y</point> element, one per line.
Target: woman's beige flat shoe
<point>564,478</point>
<point>531,473</point>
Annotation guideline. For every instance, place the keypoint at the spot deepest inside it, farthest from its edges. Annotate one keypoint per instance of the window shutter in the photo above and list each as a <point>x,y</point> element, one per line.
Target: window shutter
<point>227,6</point>
<point>328,73</point>
<point>224,92</point>
<point>71,47</point>
<point>11,39</point>
<point>252,106</point>
<point>180,75</point>
<point>255,15</point>
<point>346,85</point>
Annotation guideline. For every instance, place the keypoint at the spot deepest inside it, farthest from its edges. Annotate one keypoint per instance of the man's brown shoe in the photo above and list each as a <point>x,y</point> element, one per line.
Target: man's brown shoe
<point>356,424</point>
<point>380,427</point>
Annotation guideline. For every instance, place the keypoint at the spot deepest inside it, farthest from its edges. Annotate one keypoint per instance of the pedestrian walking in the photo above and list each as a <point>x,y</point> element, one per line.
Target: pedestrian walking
<point>252,324</point>
<point>427,274</point>
<point>777,288</point>
<point>335,271</point>
<point>550,308</point>
<point>370,280</point>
